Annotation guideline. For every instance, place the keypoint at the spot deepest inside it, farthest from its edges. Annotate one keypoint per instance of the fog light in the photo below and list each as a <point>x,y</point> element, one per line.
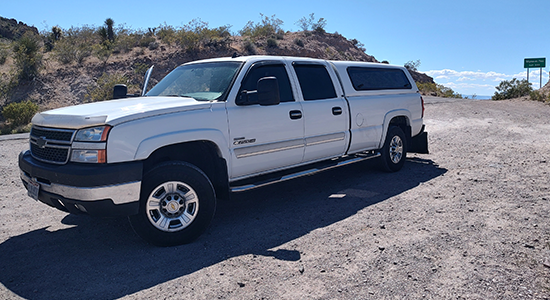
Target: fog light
<point>88,156</point>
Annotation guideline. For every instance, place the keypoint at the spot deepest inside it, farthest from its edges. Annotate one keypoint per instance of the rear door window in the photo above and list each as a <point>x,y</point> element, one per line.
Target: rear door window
<point>315,82</point>
<point>368,79</point>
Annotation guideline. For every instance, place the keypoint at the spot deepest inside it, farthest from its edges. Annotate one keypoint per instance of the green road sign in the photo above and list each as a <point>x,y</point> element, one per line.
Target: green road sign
<point>534,62</point>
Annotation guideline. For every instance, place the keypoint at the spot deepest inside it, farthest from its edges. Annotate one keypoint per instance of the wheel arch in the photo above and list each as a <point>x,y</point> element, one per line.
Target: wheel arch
<point>400,118</point>
<point>203,154</point>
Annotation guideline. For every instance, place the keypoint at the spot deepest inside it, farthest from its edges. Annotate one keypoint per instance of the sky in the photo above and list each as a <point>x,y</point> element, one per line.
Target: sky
<point>469,46</point>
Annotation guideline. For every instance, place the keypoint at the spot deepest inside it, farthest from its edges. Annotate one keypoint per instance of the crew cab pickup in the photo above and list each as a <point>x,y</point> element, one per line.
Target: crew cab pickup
<point>216,126</point>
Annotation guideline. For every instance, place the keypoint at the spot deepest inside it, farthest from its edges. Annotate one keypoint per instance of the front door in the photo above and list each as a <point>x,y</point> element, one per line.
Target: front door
<point>264,138</point>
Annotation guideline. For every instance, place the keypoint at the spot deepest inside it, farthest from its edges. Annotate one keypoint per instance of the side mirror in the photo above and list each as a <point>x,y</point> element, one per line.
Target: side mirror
<point>268,91</point>
<point>120,91</point>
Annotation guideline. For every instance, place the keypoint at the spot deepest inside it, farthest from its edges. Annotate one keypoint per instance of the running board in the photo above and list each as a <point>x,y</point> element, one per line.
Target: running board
<point>280,176</point>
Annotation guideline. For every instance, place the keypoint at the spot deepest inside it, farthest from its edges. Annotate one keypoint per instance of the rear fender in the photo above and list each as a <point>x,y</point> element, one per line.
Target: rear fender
<point>387,120</point>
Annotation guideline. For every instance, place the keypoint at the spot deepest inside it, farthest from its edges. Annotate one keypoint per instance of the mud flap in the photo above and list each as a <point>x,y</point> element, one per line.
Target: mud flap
<point>419,143</point>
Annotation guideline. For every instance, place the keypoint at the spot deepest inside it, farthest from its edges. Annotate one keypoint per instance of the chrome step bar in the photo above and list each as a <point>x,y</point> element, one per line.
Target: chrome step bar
<point>248,184</point>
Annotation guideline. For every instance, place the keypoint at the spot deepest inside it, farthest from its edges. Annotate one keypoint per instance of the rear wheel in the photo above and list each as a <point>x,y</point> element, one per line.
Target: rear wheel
<point>394,152</point>
<point>177,204</point>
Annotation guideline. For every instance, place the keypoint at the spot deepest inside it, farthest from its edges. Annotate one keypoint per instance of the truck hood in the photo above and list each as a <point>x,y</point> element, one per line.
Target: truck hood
<point>114,112</point>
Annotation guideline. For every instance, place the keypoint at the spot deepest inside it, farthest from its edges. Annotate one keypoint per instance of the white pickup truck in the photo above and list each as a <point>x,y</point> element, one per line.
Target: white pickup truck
<point>215,126</point>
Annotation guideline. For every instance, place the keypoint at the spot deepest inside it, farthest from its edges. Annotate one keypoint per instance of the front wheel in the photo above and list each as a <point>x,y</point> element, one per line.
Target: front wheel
<point>394,152</point>
<point>177,204</point>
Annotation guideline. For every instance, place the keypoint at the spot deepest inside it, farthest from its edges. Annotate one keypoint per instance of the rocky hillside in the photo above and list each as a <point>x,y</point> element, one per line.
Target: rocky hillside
<point>61,84</point>
<point>12,30</point>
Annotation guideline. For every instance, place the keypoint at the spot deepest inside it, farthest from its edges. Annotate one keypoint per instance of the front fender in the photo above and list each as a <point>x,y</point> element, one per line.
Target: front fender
<point>149,145</point>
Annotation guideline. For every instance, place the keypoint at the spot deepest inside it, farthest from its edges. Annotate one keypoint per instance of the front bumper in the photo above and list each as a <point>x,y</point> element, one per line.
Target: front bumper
<point>101,190</point>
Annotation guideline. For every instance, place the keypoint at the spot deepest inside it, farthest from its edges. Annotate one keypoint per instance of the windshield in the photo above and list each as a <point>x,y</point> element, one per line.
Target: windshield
<point>202,82</point>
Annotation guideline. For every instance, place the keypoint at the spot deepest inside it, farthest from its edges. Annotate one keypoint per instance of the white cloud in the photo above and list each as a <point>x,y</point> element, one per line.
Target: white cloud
<point>482,83</point>
<point>467,75</point>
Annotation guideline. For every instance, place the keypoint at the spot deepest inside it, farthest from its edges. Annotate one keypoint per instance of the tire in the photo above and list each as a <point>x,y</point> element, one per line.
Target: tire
<point>177,204</point>
<point>394,152</point>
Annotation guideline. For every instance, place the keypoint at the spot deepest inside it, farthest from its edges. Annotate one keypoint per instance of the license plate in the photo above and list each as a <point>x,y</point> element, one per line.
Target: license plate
<point>32,189</point>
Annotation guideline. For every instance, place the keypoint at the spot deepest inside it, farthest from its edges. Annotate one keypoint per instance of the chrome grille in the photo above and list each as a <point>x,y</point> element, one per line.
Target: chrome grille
<point>51,144</point>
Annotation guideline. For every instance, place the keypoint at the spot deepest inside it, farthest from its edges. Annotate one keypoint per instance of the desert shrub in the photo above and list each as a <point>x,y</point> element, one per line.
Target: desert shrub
<point>103,51</point>
<point>412,65</point>
<point>52,37</point>
<point>3,55</point>
<point>299,42</point>
<point>153,46</point>
<point>196,35</point>
<point>509,89</point>
<point>266,28</point>
<point>358,44</point>
<point>167,34</point>
<point>218,38</point>
<point>434,89</point>
<point>249,46</point>
<point>75,45</point>
<point>103,90</point>
<point>140,68</point>
<point>21,113</point>
<point>28,59</point>
<point>272,43</point>
<point>126,40</point>
<point>146,40</point>
<point>539,96</point>
<point>308,23</point>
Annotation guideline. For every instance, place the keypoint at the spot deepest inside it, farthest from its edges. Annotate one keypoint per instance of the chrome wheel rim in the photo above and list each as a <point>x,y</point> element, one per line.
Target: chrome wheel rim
<point>172,206</point>
<point>396,149</point>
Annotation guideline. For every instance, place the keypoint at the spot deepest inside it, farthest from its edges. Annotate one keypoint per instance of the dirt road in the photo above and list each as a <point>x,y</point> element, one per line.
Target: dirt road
<point>468,221</point>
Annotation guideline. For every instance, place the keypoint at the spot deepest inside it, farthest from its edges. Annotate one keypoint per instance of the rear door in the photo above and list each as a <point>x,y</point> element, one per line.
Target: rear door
<point>325,111</point>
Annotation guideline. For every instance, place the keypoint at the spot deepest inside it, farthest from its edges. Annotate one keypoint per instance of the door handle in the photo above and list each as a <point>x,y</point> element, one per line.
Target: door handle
<point>336,110</point>
<point>295,114</point>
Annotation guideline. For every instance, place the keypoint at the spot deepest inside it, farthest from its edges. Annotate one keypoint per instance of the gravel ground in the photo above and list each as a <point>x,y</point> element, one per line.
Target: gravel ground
<point>468,221</point>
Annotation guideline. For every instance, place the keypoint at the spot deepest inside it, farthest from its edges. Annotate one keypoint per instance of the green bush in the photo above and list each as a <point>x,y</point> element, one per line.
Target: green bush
<point>19,114</point>
<point>28,59</point>
<point>299,42</point>
<point>539,96</point>
<point>266,28</point>
<point>412,65</point>
<point>167,34</point>
<point>103,90</point>
<point>509,89</point>
<point>75,45</point>
<point>272,43</point>
<point>437,90</point>
<point>308,23</point>
<point>3,56</point>
<point>52,37</point>
<point>249,46</point>
<point>196,35</point>
<point>358,44</point>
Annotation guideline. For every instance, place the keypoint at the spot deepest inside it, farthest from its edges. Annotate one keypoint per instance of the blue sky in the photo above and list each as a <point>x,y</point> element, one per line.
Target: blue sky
<point>467,45</point>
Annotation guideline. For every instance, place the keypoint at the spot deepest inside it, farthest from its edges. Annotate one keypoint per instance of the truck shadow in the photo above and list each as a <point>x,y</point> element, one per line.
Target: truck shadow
<point>104,259</point>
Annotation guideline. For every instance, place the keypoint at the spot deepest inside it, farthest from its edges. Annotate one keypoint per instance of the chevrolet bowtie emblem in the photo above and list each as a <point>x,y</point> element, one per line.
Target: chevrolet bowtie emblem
<point>41,142</point>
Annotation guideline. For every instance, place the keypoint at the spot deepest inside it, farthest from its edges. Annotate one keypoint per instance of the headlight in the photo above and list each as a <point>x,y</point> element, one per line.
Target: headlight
<point>93,134</point>
<point>89,145</point>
